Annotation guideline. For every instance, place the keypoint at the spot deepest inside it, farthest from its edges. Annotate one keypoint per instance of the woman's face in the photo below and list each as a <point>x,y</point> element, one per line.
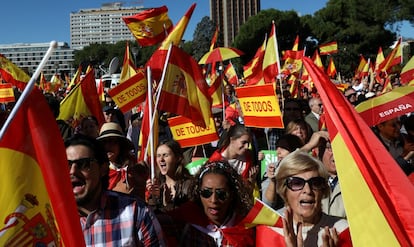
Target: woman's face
<point>305,203</point>
<point>216,206</point>
<point>166,160</point>
<point>240,145</point>
<point>299,131</point>
<point>112,148</point>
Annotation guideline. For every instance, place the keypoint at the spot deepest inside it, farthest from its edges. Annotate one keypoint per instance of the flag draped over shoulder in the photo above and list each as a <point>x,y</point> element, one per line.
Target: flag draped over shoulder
<point>328,48</point>
<point>13,74</point>
<point>384,191</point>
<point>82,101</point>
<point>38,207</point>
<point>149,27</point>
<point>186,87</point>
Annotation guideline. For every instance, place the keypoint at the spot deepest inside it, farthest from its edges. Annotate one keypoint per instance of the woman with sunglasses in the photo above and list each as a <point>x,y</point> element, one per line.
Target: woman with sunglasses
<point>302,183</point>
<point>222,201</point>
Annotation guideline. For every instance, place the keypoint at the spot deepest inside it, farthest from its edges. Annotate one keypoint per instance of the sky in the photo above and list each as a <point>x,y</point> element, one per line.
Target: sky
<point>47,20</point>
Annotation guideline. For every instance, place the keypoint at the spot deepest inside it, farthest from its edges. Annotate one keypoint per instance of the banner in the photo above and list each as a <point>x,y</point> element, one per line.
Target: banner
<point>260,106</point>
<point>387,106</point>
<point>6,93</point>
<point>188,134</point>
<point>130,93</point>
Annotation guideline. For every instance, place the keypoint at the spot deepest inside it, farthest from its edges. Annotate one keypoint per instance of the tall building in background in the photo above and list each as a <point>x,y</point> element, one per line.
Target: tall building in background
<point>229,15</point>
<point>28,56</point>
<point>102,25</point>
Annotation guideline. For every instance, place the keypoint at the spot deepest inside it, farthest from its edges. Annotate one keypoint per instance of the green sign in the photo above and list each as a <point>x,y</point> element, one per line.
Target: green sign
<point>270,156</point>
<point>195,165</point>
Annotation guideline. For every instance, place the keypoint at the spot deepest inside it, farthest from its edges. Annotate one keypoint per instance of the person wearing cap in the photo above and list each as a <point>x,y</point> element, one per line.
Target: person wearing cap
<point>284,146</point>
<point>107,218</point>
<point>121,161</point>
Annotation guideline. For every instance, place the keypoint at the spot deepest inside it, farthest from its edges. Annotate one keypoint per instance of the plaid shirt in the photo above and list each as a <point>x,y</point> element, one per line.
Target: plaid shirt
<point>121,220</point>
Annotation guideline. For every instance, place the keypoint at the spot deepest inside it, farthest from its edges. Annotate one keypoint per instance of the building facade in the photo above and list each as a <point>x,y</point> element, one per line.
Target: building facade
<point>101,25</point>
<point>229,15</point>
<point>28,57</point>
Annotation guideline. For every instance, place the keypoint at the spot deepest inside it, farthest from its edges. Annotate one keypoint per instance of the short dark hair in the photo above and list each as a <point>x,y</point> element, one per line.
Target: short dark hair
<point>97,149</point>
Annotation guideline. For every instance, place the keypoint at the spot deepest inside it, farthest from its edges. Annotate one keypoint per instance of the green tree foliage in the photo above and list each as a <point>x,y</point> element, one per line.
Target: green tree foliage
<point>202,37</point>
<point>253,32</point>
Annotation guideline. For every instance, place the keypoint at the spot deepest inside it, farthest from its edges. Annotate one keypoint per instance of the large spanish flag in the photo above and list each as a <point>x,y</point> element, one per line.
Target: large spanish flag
<point>13,74</point>
<point>37,203</point>
<point>82,101</point>
<point>253,71</point>
<point>376,192</point>
<point>186,87</point>
<point>387,106</point>
<point>150,26</point>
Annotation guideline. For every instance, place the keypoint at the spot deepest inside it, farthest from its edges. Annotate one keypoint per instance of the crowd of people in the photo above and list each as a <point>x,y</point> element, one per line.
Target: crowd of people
<point>121,204</point>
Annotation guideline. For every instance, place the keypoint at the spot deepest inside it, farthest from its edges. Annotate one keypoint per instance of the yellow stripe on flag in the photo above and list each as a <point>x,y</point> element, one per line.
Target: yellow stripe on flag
<point>366,214</point>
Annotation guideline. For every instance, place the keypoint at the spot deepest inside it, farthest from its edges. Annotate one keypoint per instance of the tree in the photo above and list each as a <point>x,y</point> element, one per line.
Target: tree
<point>202,37</point>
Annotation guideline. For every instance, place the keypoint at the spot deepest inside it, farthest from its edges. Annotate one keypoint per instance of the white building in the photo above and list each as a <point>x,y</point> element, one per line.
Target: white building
<point>28,57</point>
<point>103,25</point>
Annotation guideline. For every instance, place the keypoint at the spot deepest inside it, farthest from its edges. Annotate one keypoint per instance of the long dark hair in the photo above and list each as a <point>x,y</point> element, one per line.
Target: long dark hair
<point>181,173</point>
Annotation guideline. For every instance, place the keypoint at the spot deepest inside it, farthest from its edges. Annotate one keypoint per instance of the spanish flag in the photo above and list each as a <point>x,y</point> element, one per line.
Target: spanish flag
<point>186,87</point>
<point>271,63</point>
<point>82,101</point>
<point>381,212</point>
<point>328,48</point>
<point>149,27</point>
<point>13,74</point>
<point>407,72</point>
<point>253,71</point>
<point>38,207</point>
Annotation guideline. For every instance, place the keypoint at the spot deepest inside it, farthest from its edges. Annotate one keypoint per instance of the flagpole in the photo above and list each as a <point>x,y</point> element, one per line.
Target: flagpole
<point>28,88</point>
<point>160,85</point>
<point>151,132</point>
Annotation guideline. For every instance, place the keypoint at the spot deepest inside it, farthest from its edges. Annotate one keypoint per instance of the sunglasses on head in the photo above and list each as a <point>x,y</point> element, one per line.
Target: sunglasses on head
<point>83,164</point>
<point>297,183</point>
<point>222,195</point>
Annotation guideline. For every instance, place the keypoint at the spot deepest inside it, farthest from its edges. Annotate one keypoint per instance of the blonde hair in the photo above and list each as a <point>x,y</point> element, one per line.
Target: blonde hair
<point>295,163</point>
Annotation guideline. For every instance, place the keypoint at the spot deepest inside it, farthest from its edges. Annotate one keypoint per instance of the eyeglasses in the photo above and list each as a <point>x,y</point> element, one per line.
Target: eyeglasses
<point>297,183</point>
<point>320,105</point>
<point>83,164</point>
<point>222,195</point>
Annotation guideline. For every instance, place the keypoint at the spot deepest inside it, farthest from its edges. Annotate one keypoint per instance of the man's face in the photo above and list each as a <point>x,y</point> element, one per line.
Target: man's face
<point>85,174</point>
<point>390,129</point>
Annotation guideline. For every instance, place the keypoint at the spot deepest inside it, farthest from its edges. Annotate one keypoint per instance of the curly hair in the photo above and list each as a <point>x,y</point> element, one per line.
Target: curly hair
<point>242,198</point>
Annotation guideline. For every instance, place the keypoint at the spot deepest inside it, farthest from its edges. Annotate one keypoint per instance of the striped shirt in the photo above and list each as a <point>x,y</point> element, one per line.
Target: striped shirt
<point>121,220</point>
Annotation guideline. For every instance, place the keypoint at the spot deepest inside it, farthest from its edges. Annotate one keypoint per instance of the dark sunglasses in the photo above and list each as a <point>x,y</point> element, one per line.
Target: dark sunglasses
<point>222,195</point>
<point>297,183</point>
<point>83,164</point>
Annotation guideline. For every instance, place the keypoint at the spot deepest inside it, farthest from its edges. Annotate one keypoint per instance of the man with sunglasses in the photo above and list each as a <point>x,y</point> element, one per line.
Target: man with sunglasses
<point>107,218</point>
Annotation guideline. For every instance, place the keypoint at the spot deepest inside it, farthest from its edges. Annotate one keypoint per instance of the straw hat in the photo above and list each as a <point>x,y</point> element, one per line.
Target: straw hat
<point>111,130</point>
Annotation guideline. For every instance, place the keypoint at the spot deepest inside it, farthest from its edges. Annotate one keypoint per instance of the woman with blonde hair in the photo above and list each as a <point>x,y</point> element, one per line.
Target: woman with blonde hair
<point>302,183</point>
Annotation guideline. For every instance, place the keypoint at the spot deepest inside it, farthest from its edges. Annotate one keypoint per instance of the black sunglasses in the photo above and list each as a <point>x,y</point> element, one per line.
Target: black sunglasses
<point>297,183</point>
<point>83,164</point>
<point>222,195</point>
